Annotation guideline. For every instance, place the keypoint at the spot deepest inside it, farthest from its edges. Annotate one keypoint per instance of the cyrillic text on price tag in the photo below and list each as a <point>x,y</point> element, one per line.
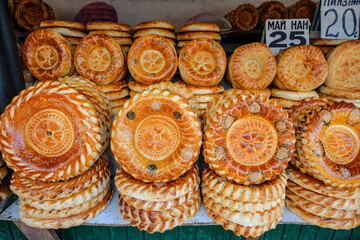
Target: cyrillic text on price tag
<point>284,33</point>
<point>340,19</point>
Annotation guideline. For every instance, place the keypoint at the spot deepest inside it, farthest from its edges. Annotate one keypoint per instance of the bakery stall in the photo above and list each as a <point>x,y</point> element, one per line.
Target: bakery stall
<point>177,119</point>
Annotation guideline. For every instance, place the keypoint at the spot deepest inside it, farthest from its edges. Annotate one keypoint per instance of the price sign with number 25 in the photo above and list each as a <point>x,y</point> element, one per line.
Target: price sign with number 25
<point>340,19</point>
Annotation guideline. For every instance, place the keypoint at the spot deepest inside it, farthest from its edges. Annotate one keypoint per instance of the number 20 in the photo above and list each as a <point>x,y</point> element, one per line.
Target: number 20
<point>327,34</point>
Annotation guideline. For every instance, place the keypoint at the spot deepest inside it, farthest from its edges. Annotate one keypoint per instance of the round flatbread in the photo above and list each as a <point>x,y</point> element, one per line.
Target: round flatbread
<point>111,33</point>
<point>197,90</point>
<point>291,95</point>
<point>73,40</point>
<point>284,103</point>
<point>124,92</point>
<point>113,87</point>
<point>344,66</point>
<point>301,68</point>
<point>100,59</point>
<point>160,32</point>
<point>272,10</point>
<point>194,35</point>
<point>252,66</point>
<point>136,86</point>
<point>156,136</point>
<point>118,102</point>
<point>152,59</point>
<point>331,151</point>
<point>112,26</point>
<point>246,17</point>
<point>181,44</point>
<point>199,27</point>
<point>202,62</point>
<point>338,93</point>
<point>327,42</point>
<point>303,9</point>
<point>248,140</point>
<point>153,192</point>
<point>47,55</point>
<point>123,41</point>
<point>63,24</point>
<point>30,13</point>
<point>51,132</point>
<point>266,192</point>
<point>29,189</point>
<point>155,24</point>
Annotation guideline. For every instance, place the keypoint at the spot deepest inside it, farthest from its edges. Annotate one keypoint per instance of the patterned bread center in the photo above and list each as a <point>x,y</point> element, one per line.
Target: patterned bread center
<point>152,61</point>
<point>34,15</point>
<point>245,18</point>
<point>50,133</point>
<point>303,12</point>
<point>99,59</point>
<point>274,15</point>
<point>252,140</point>
<point>341,144</point>
<point>157,137</point>
<point>46,57</point>
<point>299,69</point>
<point>203,62</point>
<point>253,68</point>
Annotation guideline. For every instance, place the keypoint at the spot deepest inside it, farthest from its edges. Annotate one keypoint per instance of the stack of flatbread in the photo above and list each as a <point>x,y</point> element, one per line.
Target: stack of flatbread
<point>197,30</point>
<point>156,139</point>
<point>52,135</point>
<point>323,189</point>
<point>73,32</point>
<point>117,93</point>
<point>120,32</point>
<point>248,143</point>
<point>343,82</point>
<point>162,28</point>
<point>4,183</point>
<point>327,45</point>
<point>300,70</point>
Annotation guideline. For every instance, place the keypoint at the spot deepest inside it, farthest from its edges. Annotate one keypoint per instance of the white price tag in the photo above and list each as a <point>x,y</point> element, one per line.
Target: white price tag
<point>340,19</point>
<point>284,33</point>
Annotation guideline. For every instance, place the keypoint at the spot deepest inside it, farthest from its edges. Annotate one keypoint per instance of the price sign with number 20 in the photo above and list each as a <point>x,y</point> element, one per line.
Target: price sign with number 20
<point>340,19</point>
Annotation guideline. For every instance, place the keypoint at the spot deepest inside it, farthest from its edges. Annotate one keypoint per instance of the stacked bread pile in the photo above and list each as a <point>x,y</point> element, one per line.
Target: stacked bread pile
<point>162,28</point>
<point>248,143</point>
<point>120,32</point>
<point>202,65</point>
<point>100,59</point>
<point>327,45</point>
<point>301,70</point>
<point>245,17</point>
<point>156,139</point>
<point>48,55</point>
<point>194,31</point>
<point>4,184</point>
<point>324,189</point>
<point>52,135</point>
<point>343,83</point>
<point>272,10</point>
<point>73,32</point>
<point>251,69</point>
<point>152,59</point>
<point>30,13</point>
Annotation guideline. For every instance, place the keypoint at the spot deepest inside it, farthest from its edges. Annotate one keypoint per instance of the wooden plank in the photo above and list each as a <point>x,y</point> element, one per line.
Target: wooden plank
<point>291,231</point>
<point>35,233</point>
<point>117,233</point>
<point>67,234</point>
<point>355,234</point>
<point>187,233</point>
<point>341,235</point>
<point>4,230</point>
<point>83,232</point>
<point>274,234</point>
<point>308,232</point>
<point>324,234</point>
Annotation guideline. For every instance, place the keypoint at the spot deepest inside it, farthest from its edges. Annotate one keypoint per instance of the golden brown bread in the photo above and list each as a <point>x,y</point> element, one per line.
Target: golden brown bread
<point>196,27</point>
<point>272,10</point>
<point>36,190</point>
<point>202,62</point>
<point>100,59</point>
<point>247,140</point>
<point>155,24</point>
<point>251,66</point>
<point>156,137</point>
<point>339,93</point>
<point>152,59</point>
<point>47,55</point>
<point>113,87</point>
<point>91,26</point>
<point>65,24</point>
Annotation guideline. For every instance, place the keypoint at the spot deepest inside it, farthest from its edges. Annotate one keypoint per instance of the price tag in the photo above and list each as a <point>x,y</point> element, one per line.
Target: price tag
<point>340,19</point>
<point>284,33</point>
